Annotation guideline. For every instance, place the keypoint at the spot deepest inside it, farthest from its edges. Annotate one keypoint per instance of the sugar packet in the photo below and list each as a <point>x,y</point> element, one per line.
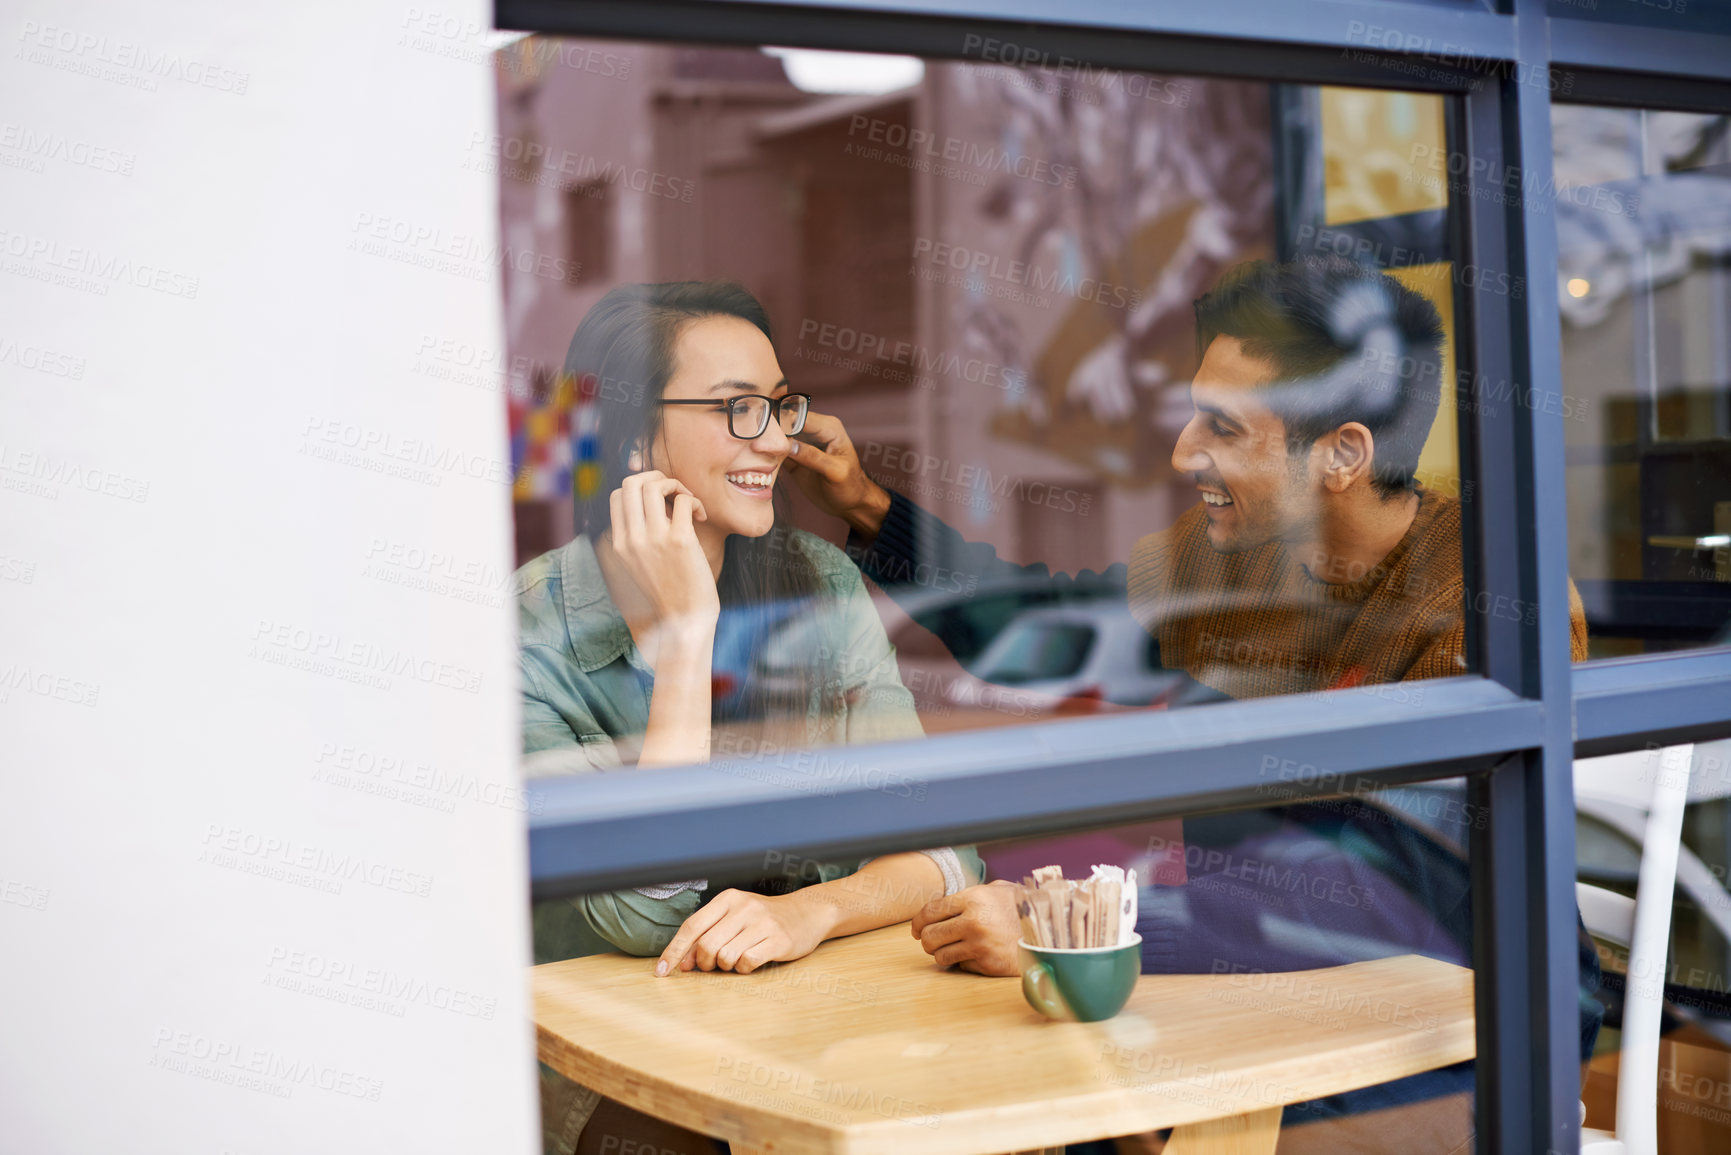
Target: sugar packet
<point>1120,884</point>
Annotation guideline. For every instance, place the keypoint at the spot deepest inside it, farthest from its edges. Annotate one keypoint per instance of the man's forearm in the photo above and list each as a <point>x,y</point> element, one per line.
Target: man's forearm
<point>914,551</point>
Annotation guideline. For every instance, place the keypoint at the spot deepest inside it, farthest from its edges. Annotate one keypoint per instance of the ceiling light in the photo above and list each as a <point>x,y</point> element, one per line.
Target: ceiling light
<point>860,73</point>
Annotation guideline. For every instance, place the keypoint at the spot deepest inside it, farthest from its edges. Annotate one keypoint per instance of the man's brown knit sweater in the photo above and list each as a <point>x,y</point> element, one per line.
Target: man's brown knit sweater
<point>1257,622</point>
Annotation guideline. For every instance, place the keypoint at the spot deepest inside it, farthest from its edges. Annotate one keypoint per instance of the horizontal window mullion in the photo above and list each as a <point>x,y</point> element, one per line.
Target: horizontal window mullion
<point>1590,44</point>
<point>1337,23</point>
<point>1323,43</point>
<point>1649,91</point>
<point>605,831</point>
<point>1626,703</point>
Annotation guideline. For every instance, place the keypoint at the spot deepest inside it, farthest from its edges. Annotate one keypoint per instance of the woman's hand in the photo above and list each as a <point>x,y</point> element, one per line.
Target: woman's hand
<point>740,931</point>
<point>655,549</point>
<point>659,548</point>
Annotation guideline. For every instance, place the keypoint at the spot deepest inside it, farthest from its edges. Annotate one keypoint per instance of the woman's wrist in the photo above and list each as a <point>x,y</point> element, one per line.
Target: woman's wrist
<point>690,637</point>
<point>696,626</point>
<point>682,653</point>
<point>820,915</point>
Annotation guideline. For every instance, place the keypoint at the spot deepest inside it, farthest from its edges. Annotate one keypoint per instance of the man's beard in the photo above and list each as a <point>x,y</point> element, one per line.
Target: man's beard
<point>1286,524</point>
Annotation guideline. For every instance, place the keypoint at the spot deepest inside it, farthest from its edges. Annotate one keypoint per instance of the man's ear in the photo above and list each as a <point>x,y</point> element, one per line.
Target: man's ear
<point>1351,451</point>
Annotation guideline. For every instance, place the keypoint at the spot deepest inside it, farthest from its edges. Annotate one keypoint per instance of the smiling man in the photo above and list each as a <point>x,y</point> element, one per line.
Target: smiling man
<point>1313,558</point>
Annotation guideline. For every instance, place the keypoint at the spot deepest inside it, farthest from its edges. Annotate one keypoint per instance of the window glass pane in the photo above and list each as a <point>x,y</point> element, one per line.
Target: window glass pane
<point>1614,799</point>
<point>1003,282</point>
<point>1259,949</point>
<point>1644,236</point>
<point>1373,145</point>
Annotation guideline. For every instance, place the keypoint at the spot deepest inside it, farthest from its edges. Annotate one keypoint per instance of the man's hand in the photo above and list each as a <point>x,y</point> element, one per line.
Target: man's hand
<point>830,473</point>
<point>977,927</point>
<point>740,931</point>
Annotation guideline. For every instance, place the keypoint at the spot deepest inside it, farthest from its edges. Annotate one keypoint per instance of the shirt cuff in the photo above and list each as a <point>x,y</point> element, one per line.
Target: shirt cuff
<point>888,559</point>
<point>955,875</point>
<point>1160,938</point>
<point>669,889</point>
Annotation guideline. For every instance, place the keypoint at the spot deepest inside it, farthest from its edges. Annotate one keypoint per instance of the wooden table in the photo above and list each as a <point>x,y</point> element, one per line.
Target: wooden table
<point>866,1048</point>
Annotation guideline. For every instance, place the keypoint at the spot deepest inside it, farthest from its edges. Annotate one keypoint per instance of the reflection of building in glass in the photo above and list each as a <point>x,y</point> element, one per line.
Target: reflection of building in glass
<point>987,275</point>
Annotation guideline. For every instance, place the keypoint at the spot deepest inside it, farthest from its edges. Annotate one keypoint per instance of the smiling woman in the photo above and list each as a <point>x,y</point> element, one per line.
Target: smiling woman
<point>620,630</point>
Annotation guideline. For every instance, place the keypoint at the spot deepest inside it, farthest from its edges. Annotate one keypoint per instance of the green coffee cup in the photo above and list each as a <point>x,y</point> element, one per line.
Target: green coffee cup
<point>1083,985</point>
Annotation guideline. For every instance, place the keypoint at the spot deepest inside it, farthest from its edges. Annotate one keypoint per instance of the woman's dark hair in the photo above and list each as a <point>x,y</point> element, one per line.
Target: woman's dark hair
<point>1349,343</point>
<point>628,342</point>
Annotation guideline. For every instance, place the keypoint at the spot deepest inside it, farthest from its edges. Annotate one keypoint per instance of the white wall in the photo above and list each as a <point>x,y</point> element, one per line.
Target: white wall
<point>180,852</point>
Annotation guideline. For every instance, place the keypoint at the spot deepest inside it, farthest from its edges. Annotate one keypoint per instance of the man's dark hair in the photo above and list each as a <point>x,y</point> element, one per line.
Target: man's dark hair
<point>1348,343</point>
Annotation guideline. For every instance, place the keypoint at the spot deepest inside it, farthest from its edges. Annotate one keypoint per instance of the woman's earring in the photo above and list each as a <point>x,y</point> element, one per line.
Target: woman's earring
<point>633,458</point>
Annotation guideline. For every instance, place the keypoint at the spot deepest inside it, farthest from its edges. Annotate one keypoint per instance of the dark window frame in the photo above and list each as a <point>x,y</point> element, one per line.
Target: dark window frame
<point>1513,730</point>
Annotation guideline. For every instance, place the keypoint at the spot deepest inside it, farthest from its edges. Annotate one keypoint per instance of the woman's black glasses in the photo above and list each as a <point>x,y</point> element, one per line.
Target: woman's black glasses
<point>748,416</point>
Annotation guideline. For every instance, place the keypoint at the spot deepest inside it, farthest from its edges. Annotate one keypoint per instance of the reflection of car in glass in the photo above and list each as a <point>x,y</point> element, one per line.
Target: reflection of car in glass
<point>1053,662</point>
<point>741,635</point>
<point>970,620</point>
<point>1087,652</point>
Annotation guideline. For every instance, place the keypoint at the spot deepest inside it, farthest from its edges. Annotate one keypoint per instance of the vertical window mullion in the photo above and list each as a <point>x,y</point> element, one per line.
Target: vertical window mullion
<point>1526,963</point>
